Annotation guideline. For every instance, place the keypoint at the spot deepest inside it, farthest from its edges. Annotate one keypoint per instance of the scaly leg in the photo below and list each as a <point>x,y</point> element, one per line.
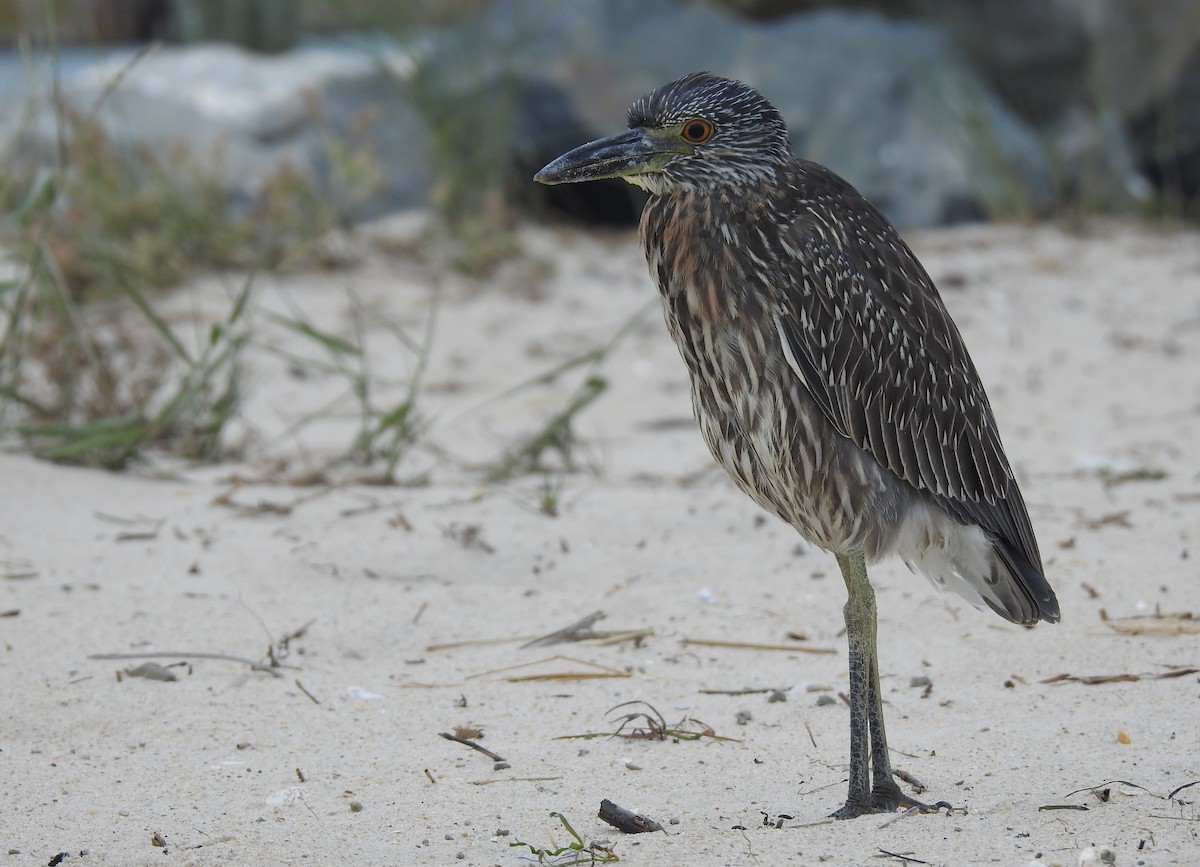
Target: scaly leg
<point>866,703</point>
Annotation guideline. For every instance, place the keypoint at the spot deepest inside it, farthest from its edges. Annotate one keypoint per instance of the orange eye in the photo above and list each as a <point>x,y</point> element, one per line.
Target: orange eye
<point>697,130</point>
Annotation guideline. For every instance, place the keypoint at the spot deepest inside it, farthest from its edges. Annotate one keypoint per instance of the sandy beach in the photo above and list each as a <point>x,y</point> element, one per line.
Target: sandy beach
<point>323,637</point>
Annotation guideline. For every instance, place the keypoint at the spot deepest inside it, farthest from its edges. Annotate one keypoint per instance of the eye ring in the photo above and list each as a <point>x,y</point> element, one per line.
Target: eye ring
<point>696,130</point>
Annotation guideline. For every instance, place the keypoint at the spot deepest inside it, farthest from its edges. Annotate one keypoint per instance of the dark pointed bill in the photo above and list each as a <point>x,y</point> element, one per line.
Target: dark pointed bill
<point>627,153</point>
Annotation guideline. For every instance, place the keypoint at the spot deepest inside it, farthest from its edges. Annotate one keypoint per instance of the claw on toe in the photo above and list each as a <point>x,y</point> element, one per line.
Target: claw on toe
<point>889,802</point>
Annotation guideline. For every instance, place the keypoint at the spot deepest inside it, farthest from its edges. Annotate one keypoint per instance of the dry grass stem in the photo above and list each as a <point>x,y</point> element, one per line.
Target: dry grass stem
<point>752,645</point>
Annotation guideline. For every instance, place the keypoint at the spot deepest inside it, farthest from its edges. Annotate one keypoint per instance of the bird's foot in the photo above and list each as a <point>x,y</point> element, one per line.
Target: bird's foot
<point>888,799</point>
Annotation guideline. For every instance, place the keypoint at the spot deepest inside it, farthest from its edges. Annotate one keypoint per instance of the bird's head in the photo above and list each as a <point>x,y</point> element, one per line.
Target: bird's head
<point>697,133</point>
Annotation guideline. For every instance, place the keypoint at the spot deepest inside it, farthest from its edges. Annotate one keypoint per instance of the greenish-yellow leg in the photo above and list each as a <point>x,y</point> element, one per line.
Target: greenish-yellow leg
<point>868,738</point>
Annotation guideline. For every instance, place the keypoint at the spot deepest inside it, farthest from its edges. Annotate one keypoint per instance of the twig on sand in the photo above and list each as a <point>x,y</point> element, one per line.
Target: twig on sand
<point>227,657</point>
<point>594,670</point>
<point>1094,679</point>
<point>1179,789</point>
<point>311,697</point>
<point>753,645</point>
<point>473,745</point>
<point>903,858</point>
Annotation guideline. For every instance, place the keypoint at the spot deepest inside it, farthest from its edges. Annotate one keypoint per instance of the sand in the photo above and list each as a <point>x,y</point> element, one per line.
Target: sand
<point>412,602</point>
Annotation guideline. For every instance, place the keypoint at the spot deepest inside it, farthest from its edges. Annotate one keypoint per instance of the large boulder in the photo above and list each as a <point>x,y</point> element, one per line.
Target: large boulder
<point>257,112</point>
<point>1045,58</point>
<point>890,104</point>
<point>1168,142</point>
<point>1101,79</point>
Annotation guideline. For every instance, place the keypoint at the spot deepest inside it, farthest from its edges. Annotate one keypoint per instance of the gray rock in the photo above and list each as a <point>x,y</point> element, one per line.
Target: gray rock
<point>1033,52</point>
<point>1168,142</point>
<point>259,111</point>
<point>1138,50</point>
<point>1085,72</point>
<point>889,104</point>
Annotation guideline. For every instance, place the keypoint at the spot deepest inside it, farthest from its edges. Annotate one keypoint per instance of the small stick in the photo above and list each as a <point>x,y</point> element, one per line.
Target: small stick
<point>1113,783</point>
<point>1176,791</point>
<point>917,785</point>
<point>598,670</point>
<point>626,820</point>
<point>472,642</point>
<point>257,666</point>
<point>311,697</point>
<point>751,645</point>
<point>603,639</point>
<point>904,858</point>
<point>472,745</point>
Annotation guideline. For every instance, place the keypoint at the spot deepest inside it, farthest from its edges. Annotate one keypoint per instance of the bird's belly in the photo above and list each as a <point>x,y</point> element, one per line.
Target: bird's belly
<point>777,446</point>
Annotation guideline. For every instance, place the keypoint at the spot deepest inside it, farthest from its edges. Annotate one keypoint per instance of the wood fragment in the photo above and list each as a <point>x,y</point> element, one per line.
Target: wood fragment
<point>472,745</point>
<point>625,820</point>
<point>1093,679</point>
<point>1178,623</point>
<point>917,786</point>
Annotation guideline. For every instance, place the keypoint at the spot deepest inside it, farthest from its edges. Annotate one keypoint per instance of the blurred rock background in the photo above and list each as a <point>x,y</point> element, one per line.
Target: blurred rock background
<point>940,111</point>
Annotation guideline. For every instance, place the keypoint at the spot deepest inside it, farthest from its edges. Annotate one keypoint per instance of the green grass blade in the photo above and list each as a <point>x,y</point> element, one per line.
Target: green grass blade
<point>331,342</point>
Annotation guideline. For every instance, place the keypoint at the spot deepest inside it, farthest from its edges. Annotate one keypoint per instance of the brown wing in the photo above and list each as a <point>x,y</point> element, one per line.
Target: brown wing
<point>870,337</point>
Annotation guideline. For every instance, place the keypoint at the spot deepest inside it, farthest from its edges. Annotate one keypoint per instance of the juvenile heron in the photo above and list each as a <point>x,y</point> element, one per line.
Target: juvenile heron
<point>828,379</point>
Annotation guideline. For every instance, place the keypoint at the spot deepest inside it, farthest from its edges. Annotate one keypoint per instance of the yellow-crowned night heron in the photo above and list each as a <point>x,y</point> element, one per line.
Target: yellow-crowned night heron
<point>828,379</point>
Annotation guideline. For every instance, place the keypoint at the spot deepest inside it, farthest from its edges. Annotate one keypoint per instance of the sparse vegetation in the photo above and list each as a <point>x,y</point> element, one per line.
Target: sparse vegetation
<point>578,851</point>
<point>386,430</point>
<point>81,380</point>
<point>94,371</point>
<point>468,107</point>
<point>646,723</point>
<point>91,371</point>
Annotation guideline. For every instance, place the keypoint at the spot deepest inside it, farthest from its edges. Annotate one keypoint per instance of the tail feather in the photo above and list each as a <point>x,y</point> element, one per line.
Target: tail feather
<point>985,569</point>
